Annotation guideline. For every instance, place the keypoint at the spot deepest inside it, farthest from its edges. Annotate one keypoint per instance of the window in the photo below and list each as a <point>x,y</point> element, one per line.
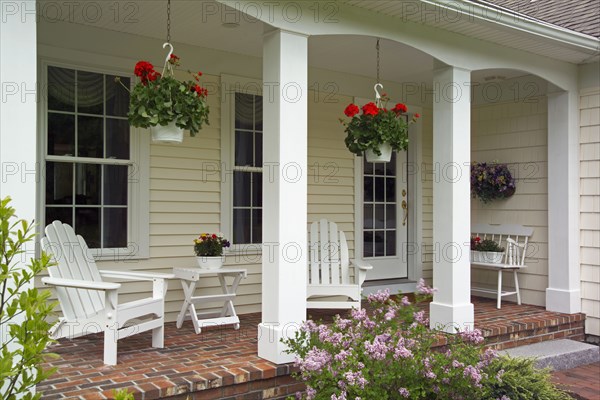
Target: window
<point>247,169</point>
<point>89,158</point>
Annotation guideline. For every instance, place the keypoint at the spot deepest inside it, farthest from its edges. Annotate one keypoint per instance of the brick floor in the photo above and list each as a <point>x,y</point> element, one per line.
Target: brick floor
<point>583,382</point>
<point>221,362</point>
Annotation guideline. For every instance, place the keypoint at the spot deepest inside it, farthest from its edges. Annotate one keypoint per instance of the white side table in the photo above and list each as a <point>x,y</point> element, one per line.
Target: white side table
<point>189,279</point>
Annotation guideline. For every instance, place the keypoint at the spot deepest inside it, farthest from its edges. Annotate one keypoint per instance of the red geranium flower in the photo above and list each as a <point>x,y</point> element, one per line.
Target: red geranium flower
<point>214,236</point>
<point>351,110</point>
<point>400,108</point>
<point>417,115</point>
<point>370,109</point>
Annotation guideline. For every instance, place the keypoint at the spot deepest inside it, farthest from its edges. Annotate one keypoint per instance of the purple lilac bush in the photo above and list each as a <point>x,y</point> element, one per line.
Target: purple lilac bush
<point>387,354</point>
<point>491,181</point>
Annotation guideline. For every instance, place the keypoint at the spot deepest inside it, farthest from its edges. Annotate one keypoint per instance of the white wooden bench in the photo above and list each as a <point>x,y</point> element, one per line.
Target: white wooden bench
<point>514,239</point>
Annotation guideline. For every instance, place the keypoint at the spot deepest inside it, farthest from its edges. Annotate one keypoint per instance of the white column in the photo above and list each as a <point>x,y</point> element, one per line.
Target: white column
<point>285,78</point>
<point>563,292</point>
<point>451,307</point>
<point>18,111</point>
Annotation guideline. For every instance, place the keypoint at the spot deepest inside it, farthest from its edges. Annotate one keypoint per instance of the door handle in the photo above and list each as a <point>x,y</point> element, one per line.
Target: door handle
<point>405,208</point>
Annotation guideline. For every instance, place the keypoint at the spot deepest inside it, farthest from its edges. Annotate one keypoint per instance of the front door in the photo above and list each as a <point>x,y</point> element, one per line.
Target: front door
<point>385,217</point>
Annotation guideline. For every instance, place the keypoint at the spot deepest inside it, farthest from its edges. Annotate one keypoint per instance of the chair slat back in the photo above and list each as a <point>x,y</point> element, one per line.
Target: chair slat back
<point>73,261</point>
<point>329,260</point>
<point>514,239</point>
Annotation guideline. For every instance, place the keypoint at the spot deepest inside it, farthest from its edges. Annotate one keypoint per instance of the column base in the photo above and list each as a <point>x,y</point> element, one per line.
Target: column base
<point>564,301</point>
<point>450,318</point>
<point>269,341</point>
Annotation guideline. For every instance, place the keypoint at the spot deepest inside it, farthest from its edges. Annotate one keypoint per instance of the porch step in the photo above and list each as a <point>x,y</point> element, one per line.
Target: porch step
<point>558,354</point>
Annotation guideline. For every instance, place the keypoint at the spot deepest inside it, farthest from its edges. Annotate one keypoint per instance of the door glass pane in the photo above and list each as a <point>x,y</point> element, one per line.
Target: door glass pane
<point>115,184</point>
<point>390,216</point>
<point>368,189</point>
<point>87,224</point>
<point>379,216</point>
<point>379,244</point>
<point>61,134</point>
<point>59,183</point>
<point>258,113</point>
<point>258,149</point>
<point>114,233</point>
<point>90,93</point>
<point>379,189</point>
<point>368,216</point>
<point>87,184</point>
<point>390,189</point>
<point>61,89</point>
<point>390,243</point>
<point>90,137</point>
<point>368,244</point>
<point>390,167</point>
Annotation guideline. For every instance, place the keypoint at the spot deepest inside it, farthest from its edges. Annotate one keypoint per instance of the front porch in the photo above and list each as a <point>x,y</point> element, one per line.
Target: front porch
<point>223,363</point>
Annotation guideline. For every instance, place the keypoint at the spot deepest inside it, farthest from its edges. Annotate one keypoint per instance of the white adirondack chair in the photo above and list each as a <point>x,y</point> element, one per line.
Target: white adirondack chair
<point>330,271</point>
<point>91,305</point>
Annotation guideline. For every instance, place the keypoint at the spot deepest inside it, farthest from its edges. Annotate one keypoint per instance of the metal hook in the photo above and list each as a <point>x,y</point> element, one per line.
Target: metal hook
<point>168,56</point>
<point>170,51</point>
<point>377,95</point>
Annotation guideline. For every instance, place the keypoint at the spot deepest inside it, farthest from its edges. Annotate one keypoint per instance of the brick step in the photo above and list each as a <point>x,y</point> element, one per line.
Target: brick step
<point>558,354</point>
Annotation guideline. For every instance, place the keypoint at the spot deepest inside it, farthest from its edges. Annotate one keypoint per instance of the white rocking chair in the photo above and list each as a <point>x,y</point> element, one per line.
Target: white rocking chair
<point>90,305</point>
<point>330,271</point>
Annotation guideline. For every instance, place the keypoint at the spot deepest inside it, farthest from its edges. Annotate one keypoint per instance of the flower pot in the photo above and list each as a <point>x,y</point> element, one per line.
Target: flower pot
<point>386,154</point>
<point>493,257</point>
<point>206,262</point>
<point>169,133</point>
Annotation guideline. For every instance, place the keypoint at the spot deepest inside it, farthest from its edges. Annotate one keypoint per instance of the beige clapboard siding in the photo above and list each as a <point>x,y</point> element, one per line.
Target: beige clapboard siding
<point>427,194</point>
<point>589,139</point>
<point>515,133</point>
<point>330,165</point>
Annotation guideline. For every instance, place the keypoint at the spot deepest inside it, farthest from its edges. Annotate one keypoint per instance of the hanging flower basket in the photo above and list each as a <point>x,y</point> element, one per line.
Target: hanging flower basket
<point>491,181</point>
<point>161,101</point>
<point>377,131</point>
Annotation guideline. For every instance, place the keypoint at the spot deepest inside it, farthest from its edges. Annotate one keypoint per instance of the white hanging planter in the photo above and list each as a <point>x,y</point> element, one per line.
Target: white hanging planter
<point>206,262</point>
<point>169,133</point>
<point>386,154</point>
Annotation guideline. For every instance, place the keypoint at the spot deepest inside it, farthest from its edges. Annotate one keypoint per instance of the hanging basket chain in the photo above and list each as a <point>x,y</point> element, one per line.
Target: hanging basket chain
<point>378,85</point>
<point>169,21</point>
<point>168,67</point>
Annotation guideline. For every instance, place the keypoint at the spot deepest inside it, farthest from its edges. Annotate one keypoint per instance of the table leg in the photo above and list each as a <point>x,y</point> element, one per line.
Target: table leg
<point>188,291</point>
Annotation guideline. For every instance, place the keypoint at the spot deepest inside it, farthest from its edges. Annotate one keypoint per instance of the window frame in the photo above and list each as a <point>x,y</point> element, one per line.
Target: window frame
<point>230,85</point>
<point>138,204</point>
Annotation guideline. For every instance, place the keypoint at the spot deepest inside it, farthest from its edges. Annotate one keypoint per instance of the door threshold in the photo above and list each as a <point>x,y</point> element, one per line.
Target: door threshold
<point>395,286</point>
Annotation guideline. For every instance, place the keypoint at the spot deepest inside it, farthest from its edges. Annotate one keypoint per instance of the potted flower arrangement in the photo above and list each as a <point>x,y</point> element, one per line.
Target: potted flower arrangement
<point>487,251</point>
<point>491,181</point>
<point>208,248</point>
<point>377,131</point>
<point>164,104</point>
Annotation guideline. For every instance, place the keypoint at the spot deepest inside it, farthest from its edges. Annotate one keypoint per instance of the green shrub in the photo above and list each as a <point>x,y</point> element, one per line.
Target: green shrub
<point>519,379</point>
<point>23,310</point>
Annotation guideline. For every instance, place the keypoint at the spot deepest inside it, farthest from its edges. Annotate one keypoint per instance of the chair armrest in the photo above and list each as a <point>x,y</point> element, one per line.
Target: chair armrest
<point>79,284</point>
<point>361,265</point>
<point>146,276</point>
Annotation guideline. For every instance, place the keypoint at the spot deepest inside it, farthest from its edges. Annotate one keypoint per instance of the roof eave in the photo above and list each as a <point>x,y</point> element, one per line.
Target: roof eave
<point>524,23</point>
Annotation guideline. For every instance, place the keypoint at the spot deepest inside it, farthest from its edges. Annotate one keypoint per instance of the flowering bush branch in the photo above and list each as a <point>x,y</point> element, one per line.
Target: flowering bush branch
<point>491,181</point>
<point>160,99</point>
<point>210,245</point>
<point>388,355</point>
<point>375,126</point>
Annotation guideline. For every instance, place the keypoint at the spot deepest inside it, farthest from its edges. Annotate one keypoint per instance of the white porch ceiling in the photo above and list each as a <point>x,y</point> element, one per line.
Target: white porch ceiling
<point>200,23</point>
